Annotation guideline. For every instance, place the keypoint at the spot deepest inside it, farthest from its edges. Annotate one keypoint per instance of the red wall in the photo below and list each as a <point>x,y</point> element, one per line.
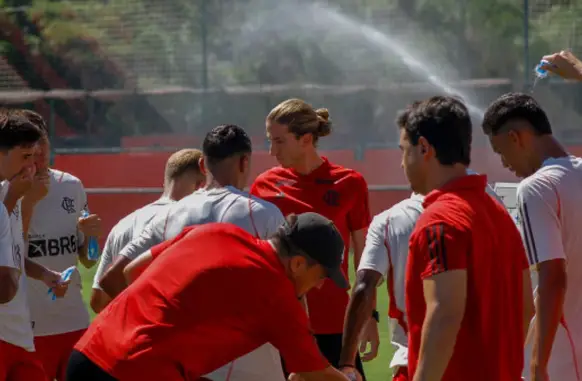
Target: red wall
<point>131,170</point>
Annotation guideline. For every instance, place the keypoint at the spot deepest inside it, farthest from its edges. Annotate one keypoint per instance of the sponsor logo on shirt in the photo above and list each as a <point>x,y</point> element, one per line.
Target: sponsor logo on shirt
<point>68,205</point>
<point>52,247</point>
<point>325,181</point>
<point>331,198</point>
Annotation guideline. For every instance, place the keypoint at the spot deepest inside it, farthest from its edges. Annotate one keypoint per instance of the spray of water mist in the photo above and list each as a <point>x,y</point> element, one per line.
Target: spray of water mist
<point>289,19</point>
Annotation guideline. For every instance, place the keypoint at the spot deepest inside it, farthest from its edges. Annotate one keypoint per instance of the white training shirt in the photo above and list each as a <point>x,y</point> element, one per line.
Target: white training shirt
<point>386,252</point>
<point>54,241</point>
<point>15,326</point>
<point>550,212</point>
<point>228,204</point>
<point>126,230</point>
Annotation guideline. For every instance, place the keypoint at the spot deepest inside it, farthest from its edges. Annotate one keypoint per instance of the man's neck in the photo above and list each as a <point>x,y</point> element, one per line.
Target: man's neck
<point>442,175</point>
<point>308,163</point>
<point>213,182</point>
<point>548,147</point>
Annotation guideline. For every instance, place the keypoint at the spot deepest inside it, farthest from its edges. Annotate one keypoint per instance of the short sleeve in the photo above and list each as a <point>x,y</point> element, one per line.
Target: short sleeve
<point>161,247</point>
<point>538,206</point>
<point>359,215</point>
<point>266,217</point>
<point>255,189</point>
<point>376,252</point>
<point>82,200</point>
<point>440,247</point>
<point>6,247</point>
<point>289,332</point>
<point>105,261</point>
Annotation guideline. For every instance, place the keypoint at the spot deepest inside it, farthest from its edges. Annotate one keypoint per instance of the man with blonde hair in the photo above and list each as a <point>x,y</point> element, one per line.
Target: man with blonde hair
<point>182,177</point>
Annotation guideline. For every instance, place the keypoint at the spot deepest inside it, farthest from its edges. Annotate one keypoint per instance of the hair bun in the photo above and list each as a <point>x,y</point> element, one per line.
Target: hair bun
<point>324,127</point>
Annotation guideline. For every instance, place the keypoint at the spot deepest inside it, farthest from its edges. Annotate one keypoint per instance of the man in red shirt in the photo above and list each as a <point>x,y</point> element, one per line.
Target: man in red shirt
<point>308,182</point>
<point>212,295</point>
<point>468,290</point>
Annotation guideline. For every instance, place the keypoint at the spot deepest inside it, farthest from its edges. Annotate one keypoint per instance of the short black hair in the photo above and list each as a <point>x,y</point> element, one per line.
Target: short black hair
<point>445,123</point>
<point>513,106</point>
<point>225,141</point>
<point>17,131</point>
<point>402,116</point>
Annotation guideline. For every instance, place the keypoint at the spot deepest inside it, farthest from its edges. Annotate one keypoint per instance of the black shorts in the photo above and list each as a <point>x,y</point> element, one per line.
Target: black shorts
<point>331,347</point>
<point>80,368</point>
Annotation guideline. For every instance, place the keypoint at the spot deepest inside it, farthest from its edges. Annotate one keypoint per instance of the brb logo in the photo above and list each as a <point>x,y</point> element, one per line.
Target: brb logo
<point>52,247</point>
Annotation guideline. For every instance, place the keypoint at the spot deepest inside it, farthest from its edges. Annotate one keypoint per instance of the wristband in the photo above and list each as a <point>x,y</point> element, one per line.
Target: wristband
<point>376,316</point>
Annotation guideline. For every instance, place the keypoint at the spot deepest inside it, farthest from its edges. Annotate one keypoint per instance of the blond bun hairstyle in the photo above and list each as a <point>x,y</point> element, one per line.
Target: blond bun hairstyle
<point>300,118</point>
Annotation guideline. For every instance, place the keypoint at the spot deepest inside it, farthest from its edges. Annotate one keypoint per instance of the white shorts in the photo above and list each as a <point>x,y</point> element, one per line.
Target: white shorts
<point>264,363</point>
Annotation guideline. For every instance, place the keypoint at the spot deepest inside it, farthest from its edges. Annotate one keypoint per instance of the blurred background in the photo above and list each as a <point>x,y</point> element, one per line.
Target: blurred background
<point>124,83</point>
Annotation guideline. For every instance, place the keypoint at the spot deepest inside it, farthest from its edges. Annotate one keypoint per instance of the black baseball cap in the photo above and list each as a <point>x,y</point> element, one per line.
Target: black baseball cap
<point>319,239</point>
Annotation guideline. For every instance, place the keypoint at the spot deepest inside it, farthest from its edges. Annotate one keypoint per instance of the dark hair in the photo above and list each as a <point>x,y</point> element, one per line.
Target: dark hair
<point>513,106</point>
<point>402,117</point>
<point>17,131</point>
<point>225,141</point>
<point>445,123</point>
<point>34,118</point>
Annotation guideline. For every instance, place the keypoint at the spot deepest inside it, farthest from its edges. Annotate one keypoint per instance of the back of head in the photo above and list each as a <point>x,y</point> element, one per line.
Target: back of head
<point>300,118</point>
<point>181,162</point>
<point>16,130</point>
<point>516,106</point>
<point>445,123</point>
<point>225,141</point>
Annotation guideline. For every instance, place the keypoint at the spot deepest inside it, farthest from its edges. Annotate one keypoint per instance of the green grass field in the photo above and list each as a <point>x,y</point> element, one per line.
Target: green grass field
<point>377,370</point>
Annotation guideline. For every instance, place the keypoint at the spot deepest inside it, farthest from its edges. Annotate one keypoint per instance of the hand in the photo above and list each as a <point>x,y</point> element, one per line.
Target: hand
<point>39,188</point>
<point>370,336</point>
<point>565,64</point>
<point>53,280</point>
<point>351,373</point>
<point>294,377</point>
<point>90,226</point>
<point>21,183</point>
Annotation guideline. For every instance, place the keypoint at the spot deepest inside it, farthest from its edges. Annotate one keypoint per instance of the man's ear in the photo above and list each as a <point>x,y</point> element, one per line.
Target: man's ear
<point>425,148</point>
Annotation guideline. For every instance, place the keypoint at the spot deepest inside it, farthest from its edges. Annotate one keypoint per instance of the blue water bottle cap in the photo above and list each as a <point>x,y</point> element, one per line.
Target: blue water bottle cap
<point>541,73</point>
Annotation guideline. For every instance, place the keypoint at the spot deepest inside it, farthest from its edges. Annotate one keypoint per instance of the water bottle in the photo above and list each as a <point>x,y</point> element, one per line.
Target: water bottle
<point>539,72</point>
<point>65,277</point>
<point>93,245</point>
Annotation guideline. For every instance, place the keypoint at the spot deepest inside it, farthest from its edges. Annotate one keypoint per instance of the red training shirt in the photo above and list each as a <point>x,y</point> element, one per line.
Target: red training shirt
<point>463,227</point>
<point>212,296</point>
<point>338,193</point>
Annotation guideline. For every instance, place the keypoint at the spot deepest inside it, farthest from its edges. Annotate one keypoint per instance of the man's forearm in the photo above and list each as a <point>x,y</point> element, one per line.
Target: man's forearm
<point>34,270</point>
<point>549,311</point>
<point>358,313</point>
<point>439,335</point>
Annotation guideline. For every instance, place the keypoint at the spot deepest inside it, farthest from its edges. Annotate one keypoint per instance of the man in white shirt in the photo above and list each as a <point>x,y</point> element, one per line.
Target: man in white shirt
<point>182,176</point>
<point>226,162</point>
<point>18,139</point>
<point>549,199</point>
<point>55,231</point>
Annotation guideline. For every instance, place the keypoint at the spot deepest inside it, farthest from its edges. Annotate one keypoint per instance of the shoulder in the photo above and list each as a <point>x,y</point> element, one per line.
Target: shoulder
<point>123,226</point>
<point>271,174</point>
<point>347,174</point>
<point>262,206</point>
<point>539,186</point>
<point>65,177</point>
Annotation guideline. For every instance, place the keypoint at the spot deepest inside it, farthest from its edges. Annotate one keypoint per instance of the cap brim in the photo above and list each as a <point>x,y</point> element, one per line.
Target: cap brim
<point>337,276</point>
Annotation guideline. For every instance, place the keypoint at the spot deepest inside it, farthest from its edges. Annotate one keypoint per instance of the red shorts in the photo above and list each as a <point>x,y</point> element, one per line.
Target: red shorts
<point>54,352</point>
<point>17,364</point>
<point>401,374</point>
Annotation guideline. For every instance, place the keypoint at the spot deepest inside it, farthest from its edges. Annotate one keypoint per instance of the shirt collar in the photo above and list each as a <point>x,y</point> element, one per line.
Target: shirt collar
<point>468,182</point>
